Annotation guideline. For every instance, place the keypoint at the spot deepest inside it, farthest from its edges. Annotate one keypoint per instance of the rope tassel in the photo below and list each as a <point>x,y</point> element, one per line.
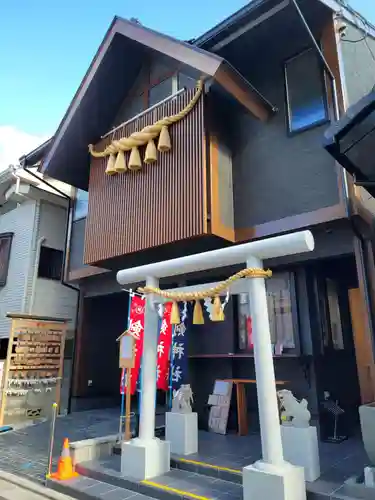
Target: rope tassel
<point>198,318</point>
<point>120,164</point>
<point>110,170</point>
<point>135,162</point>
<point>151,154</point>
<point>217,310</point>
<point>175,314</point>
<point>164,143</point>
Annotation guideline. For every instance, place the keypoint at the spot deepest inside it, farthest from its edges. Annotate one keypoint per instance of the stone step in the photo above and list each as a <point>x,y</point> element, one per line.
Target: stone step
<point>205,469</point>
<point>178,484</point>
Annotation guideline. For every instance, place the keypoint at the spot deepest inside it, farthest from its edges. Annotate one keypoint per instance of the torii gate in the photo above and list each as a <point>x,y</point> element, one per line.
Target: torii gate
<point>146,456</point>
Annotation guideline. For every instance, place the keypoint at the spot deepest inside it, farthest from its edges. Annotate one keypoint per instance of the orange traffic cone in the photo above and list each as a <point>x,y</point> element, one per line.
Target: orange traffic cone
<point>65,468</point>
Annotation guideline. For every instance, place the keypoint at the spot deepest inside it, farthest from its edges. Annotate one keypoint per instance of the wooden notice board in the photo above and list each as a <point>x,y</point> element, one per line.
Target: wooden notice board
<point>33,370</point>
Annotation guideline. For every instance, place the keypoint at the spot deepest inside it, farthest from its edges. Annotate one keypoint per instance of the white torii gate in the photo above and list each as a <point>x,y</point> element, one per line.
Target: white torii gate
<point>146,456</point>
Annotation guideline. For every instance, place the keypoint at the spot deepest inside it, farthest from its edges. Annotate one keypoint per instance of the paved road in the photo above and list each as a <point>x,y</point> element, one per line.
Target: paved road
<point>25,451</point>
<point>26,490</point>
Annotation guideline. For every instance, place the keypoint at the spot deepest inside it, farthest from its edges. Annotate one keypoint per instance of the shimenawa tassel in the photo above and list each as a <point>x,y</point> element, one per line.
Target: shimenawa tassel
<point>198,314</point>
<point>175,314</point>
<point>164,143</point>
<point>217,310</point>
<point>135,162</point>
<point>110,170</point>
<point>151,154</point>
<point>120,164</point>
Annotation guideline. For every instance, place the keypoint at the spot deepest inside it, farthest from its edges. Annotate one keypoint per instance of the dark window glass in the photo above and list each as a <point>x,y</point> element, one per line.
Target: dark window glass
<point>5,247</point>
<point>160,92</point>
<point>185,82</point>
<point>81,204</point>
<point>306,98</point>
<point>50,263</point>
<point>131,107</point>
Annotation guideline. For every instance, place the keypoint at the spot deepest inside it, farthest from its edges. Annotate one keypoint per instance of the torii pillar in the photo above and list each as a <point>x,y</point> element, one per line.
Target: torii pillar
<point>147,457</point>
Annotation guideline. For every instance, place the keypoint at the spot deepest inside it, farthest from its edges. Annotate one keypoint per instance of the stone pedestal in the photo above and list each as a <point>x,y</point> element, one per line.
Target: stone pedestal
<point>300,447</point>
<point>279,482</point>
<point>369,477</point>
<point>145,459</point>
<point>181,430</point>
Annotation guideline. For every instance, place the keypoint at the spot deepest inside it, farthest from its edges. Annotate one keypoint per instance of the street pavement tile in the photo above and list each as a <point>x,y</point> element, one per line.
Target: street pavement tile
<point>118,494</point>
<point>99,488</point>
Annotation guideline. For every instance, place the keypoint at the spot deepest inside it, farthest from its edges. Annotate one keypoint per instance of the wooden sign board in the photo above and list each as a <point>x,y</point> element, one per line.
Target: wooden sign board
<point>220,404</point>
<point>126,350</point>
<point>33,370</point>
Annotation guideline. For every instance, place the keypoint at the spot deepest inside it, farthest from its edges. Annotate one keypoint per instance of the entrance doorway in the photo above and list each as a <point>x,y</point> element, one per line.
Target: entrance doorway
<point>97,373</point>
<point>335,349</point>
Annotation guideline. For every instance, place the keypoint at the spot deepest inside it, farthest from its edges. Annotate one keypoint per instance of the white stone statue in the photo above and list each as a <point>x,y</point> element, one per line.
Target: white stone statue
<point>182,399</point>
<point>294,413</point>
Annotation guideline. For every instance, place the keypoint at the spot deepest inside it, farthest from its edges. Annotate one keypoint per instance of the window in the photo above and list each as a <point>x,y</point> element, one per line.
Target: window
<point>50,263</point>
<point>305,92</point>
<point>282,316</point>
<point>5,247</point>
<point>81,204</point>
<point>160,91</point>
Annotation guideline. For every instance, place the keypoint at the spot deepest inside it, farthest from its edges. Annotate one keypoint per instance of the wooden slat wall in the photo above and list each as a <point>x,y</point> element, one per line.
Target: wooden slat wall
<point>162,203</point>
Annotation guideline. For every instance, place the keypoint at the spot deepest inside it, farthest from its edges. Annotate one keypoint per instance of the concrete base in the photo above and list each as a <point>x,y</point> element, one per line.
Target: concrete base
<point>145,459</point>
<point>300,447</point>
<point>369,477</point>
<point>284,482</point>
<point>92,449</point>
<point>181,430</point>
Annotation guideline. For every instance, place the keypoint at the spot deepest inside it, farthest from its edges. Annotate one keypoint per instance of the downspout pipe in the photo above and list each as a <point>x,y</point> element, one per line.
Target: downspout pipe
<point>68,228</point>
<point>39,244</point>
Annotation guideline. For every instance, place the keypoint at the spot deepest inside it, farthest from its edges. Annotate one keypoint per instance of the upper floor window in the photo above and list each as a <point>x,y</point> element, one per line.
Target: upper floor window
<point>81,204</point>
<point>50,263</point>
<point>5,247</point>
<point>160,91</point>
<point>305,92</point>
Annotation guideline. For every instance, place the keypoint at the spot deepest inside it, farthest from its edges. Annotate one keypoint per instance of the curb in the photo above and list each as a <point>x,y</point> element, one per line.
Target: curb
<point>31,486</point>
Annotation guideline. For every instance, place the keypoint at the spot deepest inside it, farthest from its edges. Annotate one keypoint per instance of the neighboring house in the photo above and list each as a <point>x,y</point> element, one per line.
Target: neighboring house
<point>247,162</point>
<point>33,220</point>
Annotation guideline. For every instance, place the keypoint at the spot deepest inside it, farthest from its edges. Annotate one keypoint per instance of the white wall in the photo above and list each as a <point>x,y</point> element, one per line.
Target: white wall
<point>51,297</point>
<point>21,221</point>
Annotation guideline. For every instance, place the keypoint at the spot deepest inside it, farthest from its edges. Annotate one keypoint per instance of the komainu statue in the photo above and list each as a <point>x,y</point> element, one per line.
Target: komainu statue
<point>182,399</point>
<point>293,412</point>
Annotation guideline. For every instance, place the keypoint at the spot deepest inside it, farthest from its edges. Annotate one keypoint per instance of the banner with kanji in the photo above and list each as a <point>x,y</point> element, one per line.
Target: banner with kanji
<point>164,349</point>
<point>136,329</point>
<point>179,350</point>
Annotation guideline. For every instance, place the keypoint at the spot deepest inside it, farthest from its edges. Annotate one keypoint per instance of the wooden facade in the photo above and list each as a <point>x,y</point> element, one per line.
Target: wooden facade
<point>174,199</point>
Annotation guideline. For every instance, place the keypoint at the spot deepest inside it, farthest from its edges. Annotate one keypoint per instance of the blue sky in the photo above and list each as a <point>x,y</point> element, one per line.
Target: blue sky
<point>46,47</point>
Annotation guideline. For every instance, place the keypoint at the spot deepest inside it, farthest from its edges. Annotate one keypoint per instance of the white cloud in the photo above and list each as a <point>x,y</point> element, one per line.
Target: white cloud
<point>14,143</point>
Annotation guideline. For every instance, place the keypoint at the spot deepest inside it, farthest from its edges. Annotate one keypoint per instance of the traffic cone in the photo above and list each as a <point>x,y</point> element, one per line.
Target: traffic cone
<point>65,468</point>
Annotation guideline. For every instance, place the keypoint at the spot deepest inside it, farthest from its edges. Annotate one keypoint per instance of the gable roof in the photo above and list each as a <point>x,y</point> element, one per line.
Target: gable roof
<point>103,88</point>
<point>258,8</point>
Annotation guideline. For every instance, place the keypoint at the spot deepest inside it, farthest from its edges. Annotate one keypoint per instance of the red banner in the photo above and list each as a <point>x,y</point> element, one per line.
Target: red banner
<point>164,348</point>
<point>136,329</point>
